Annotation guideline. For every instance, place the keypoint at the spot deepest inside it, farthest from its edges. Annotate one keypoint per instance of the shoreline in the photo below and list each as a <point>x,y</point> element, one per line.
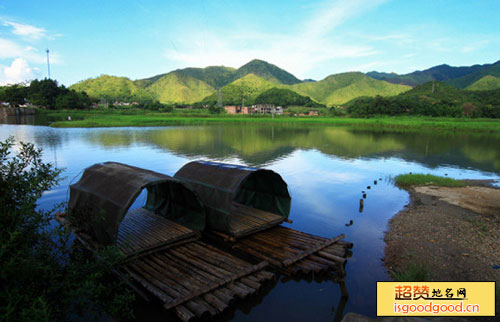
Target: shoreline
<point>126,118</point>
<point>453,234</point>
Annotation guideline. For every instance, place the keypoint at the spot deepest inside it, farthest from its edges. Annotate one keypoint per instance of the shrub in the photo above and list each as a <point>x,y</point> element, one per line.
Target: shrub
<point>43,276</point>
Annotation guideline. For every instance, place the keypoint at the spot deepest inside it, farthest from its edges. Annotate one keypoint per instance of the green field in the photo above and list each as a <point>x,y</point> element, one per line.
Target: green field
<point>136,117</point>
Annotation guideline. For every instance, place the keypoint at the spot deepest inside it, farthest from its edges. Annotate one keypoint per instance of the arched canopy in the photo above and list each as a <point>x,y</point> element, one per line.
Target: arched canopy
<point>219,185</point>
<point>101,198</point>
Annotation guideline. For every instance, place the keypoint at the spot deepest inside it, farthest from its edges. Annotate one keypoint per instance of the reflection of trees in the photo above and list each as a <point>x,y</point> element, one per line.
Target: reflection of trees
<point>51,138</point>
<point>112,138</point>
<point>257,144</point>
<point>261,144</point>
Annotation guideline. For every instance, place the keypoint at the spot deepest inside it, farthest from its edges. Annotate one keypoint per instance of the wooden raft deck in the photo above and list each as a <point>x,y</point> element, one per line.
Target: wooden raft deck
<point>143,231</point>
<point>245,220</point>
<point>195,279</point>
<point>293,252</point>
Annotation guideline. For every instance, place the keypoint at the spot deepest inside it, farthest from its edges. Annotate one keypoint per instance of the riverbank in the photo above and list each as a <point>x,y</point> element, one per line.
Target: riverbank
<point>447,234</point>
<point>121,118</point>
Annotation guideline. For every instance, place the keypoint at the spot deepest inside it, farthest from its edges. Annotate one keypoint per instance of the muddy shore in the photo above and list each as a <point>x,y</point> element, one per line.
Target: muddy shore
<point>453,232</point>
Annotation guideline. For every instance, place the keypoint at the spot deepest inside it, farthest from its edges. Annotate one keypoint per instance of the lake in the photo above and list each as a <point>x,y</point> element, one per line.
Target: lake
<point>326,168</point>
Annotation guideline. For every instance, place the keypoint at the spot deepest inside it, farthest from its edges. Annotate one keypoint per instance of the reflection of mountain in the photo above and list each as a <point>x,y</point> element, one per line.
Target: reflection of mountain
<point>472,150</point>
<point>261,144</point>
<point>254,144</point>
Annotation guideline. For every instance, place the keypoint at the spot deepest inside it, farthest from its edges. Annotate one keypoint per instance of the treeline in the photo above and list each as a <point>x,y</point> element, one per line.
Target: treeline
<point>276,96</point>
<point>44,93</point>
<point>431,99</point>
<point>285,97</point>
<point>48,94</point>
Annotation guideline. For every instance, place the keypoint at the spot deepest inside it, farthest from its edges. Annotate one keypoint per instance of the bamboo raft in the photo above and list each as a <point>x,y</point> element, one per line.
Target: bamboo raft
<point>197,280</point>
<point>188,276</point>
<point>165,258</point>
<point>293,252</point>
<point>141,232</point>
<point>245,220</point>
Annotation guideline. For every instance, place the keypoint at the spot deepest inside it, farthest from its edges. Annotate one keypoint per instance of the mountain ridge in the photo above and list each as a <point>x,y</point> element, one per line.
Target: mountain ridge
<point>443,72</point>
<point>193,84</point>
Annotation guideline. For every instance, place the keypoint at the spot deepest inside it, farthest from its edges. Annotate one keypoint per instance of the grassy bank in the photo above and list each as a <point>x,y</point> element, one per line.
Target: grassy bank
<point>407,180</point>
<point>116,118</point>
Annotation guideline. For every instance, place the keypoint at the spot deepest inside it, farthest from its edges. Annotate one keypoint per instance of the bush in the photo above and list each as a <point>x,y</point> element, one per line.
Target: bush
<point>43,278</point>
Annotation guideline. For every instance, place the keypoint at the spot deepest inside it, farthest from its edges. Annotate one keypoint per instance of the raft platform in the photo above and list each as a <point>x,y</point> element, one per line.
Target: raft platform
<point>190,277</point>
<point>238,210</point>
<point>293,252</point>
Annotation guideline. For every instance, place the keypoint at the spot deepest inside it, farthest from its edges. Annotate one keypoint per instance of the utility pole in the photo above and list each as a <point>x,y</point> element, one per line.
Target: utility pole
<point>219,99</point>
<point>48,63</point>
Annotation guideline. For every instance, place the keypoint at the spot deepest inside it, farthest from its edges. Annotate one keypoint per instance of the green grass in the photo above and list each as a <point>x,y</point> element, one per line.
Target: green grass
<point>407,180</point>
<point>414,272</point>
<point>138,117</point>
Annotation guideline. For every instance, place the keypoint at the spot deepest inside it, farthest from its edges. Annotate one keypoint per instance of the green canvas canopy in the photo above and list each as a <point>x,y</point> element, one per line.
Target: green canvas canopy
<point>225,188</point>
<point>101,198</point>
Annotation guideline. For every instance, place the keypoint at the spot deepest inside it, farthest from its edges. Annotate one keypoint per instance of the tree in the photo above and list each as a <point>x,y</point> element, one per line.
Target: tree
<point>42,277</point>
<point>44,93</point>
<point>14,94</point>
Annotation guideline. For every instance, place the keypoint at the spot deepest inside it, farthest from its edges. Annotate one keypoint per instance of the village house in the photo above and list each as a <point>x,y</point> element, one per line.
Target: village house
<point>247,110</point>
<point>232,109</point>
<point>268,109</point>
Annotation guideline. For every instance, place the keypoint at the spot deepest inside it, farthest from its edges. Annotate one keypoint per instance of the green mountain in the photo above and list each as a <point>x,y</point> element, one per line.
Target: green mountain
<point>467,80</point>
<point>486,83</point>
<point>431,99</point>
<point>176,87</point>
<point>247,87</point>
<point>266,71</point>
<point>215,76</point>
<point>112,88</point>
<point>341,88</point>
<point>440,73</point>
<point>436,90</point>
<point>284,97</point>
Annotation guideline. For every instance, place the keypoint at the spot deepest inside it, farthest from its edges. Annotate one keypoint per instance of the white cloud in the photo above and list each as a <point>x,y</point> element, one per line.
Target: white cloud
<point>475,46</point>
<point>19,71</point>
<point>11,49</point>
<point>298,53</point>
<point>28,31</point>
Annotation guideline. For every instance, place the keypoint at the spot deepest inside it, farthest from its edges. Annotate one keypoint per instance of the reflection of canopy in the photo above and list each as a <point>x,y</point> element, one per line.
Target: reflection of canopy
<point>102,197</point>
<point>219,185</point>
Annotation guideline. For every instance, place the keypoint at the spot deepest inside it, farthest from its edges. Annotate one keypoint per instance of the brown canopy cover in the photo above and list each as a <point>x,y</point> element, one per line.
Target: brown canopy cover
<point>102,197</point>
<point>219,185</point>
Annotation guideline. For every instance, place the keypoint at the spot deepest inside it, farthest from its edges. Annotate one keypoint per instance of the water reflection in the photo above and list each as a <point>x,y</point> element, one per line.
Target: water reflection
<point>257,145</point>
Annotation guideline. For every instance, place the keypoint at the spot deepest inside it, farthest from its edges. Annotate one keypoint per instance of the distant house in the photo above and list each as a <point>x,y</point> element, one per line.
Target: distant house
<point>116,103</point>
<point>313,113</point>
<point>268,109</point>
<point>247,110</point>
<point>232,109</point>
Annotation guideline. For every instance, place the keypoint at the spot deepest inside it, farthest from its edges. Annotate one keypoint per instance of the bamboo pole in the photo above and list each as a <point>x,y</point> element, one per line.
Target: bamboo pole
<point>312,250</point>
<point>184,314</point>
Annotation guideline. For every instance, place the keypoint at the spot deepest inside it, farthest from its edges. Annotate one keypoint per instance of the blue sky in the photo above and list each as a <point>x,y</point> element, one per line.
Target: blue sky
<point>311,39</point>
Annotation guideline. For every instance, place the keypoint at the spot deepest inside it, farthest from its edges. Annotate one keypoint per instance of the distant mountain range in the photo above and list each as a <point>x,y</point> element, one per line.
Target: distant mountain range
<point>460,77</point>
<point>190,85</point>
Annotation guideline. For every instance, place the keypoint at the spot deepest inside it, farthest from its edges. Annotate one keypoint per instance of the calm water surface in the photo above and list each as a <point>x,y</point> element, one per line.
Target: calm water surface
<point>326,169</point>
